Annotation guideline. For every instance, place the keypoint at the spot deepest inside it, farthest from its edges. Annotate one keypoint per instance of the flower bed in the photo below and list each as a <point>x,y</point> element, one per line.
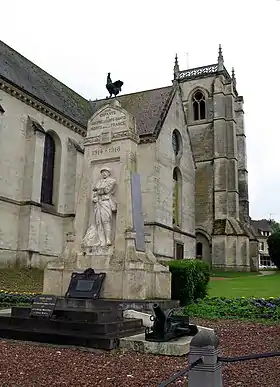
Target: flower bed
<point>8,299</point>
<point>238,308</point>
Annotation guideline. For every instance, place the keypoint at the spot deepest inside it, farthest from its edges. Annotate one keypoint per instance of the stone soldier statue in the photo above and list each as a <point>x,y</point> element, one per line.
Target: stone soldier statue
<point>100,231</point>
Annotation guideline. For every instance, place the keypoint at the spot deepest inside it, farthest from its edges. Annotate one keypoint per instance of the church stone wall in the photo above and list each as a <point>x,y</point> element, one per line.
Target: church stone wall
<point>164,235</point>
<point>30,234</point>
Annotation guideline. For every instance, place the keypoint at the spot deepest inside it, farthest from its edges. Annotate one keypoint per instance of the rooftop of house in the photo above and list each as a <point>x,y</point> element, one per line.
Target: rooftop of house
<point>261,225</point>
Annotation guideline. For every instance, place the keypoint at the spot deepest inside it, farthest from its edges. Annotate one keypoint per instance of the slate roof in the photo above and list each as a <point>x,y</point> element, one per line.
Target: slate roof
<point>261,225</point>
<point>20,71</point>
<point>148,107</point>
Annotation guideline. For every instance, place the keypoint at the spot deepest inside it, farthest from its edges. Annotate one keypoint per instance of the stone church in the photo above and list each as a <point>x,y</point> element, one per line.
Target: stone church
<point>191,159</point>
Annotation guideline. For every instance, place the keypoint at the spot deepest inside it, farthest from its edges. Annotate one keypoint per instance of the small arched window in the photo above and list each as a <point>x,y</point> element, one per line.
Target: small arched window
<point>199,106</point>
<point>176,142</point>
<point>48,170</point>
<point>199,250</point>
<point>177,195</point>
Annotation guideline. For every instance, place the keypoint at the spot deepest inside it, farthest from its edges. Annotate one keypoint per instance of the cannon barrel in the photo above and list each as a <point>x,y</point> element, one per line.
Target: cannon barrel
<point>168,326</point>
<point>159,313</point>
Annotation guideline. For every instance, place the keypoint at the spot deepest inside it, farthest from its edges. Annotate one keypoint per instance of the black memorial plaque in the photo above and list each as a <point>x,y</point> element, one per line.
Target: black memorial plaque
<point>43,306</point>
<point>85,285</point>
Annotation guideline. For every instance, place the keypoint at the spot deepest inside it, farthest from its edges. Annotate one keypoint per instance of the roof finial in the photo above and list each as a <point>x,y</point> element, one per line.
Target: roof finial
<point>176,68</point>
<point>220,59</point>
<point>233,77</point>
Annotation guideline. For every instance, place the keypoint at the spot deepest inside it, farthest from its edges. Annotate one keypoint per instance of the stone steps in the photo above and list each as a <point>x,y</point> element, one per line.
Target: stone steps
<point>74,326</point>
<point>105,304</point>
<point>72,314</point>
<point>92,335</point>
<point>98,324</point>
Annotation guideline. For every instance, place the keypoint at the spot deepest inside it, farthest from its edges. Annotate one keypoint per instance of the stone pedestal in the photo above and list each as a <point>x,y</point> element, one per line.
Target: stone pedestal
<point>132,271</point>
<point>131,281</point>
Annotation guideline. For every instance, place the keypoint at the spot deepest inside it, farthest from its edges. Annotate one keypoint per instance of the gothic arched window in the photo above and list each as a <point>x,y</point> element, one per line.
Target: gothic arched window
<point>177,195</point>
<point>199,106</point>
<point>48,170</point>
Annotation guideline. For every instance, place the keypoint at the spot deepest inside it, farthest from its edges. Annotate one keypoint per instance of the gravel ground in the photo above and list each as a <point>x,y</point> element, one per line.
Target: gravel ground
<point>30,365</point>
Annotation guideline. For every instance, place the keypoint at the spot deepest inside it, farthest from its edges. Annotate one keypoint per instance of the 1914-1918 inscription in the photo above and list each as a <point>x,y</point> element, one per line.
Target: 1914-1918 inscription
<point>43,306</point>
<point>100,151</point>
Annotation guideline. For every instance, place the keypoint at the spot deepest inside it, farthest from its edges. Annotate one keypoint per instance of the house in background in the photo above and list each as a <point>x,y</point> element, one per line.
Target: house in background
<point>263,230</point>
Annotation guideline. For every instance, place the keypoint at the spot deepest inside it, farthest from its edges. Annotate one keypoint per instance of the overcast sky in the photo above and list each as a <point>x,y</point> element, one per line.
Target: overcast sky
<point>78,42</point>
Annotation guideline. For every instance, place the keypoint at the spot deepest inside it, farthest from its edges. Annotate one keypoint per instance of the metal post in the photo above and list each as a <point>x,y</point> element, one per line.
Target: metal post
<point>208,373</point>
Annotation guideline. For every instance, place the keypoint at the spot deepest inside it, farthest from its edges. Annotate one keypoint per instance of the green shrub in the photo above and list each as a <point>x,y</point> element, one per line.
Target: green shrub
<point>189,281</point>
<point>273,242</point>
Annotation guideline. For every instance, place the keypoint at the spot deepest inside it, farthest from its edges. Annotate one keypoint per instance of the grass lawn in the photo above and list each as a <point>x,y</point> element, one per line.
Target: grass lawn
<point>245,285</point>
<point>21,280</point>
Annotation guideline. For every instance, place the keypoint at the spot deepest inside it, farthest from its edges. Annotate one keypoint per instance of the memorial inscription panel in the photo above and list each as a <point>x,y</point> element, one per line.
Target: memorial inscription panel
<point>108,119</point>
<point>85,285</point>
<point>43,306</point>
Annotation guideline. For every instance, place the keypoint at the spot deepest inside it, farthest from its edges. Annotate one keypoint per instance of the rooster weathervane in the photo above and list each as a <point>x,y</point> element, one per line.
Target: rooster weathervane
<point>113,87</point>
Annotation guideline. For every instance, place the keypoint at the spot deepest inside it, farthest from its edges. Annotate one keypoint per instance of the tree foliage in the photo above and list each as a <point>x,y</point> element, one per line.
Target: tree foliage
<point>275,225</point>
<point>273,242</point>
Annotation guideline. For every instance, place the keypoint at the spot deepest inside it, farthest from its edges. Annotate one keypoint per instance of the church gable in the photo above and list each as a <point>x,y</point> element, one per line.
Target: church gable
<point>148,107</point>
<point>174,121</point>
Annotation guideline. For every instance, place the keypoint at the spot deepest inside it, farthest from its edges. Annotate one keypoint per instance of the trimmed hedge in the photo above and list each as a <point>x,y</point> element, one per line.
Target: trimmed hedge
<point>189,281</point>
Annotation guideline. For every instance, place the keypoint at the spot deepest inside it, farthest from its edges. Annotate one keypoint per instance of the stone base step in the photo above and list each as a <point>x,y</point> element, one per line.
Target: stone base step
<point>176,347</point>
<point>71,314</point>
<point>101,303</point>
<point>102,336</point>
<point>54,325</point>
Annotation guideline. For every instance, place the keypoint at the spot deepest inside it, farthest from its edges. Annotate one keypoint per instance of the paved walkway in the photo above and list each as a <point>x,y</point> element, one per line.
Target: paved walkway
<point>265,272</point>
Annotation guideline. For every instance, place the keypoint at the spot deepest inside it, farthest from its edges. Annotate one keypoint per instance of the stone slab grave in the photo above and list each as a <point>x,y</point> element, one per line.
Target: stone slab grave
<point>70,320</point>
<point>108,231</point>
<point>176,347</point>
